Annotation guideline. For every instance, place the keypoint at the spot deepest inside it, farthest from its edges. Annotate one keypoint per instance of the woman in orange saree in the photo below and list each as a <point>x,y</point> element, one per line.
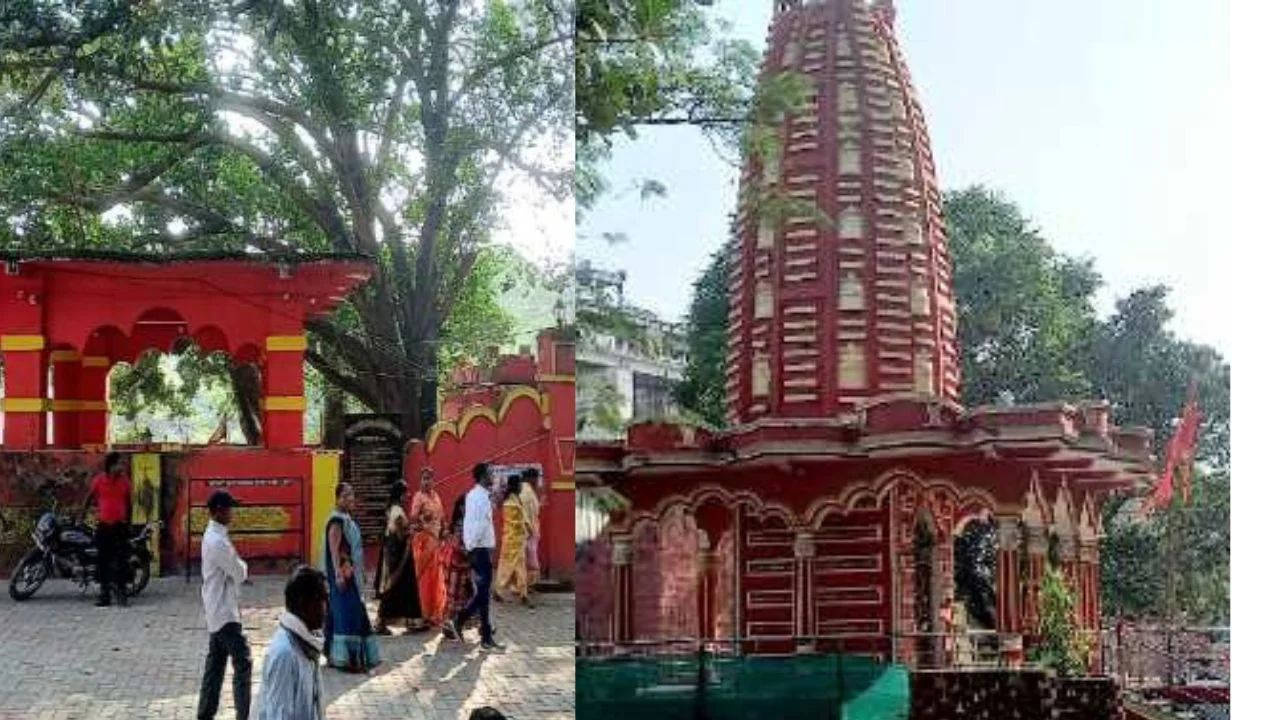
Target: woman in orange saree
<point>427,522</point>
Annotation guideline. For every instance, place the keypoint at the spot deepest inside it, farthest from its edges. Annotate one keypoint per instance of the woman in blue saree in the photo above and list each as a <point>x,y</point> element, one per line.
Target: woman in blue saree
<point>349,641</point>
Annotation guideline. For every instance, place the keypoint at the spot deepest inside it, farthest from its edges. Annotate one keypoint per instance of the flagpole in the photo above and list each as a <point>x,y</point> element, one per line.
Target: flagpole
<point>1171,583</point>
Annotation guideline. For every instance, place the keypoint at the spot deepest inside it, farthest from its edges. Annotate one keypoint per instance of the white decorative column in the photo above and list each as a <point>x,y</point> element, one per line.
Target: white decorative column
<point>707,576</point>
<point>806,625</point>
<point>621,632</point>
<point>1008,589</point>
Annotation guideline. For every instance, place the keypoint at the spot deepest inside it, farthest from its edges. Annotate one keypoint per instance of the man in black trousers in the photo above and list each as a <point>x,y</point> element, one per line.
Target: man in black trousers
<point>479,540</point>
<point>114,496</point>
<point>223,572</point>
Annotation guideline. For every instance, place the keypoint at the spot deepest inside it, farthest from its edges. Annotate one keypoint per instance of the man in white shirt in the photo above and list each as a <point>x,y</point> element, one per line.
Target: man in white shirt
<point>479,540</point>
<point>223,572</point>
<point>292,688</point>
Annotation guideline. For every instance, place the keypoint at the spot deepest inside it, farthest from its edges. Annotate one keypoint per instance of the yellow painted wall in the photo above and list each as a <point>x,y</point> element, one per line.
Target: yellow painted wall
<point>145,476</point>
<point>326,471</point>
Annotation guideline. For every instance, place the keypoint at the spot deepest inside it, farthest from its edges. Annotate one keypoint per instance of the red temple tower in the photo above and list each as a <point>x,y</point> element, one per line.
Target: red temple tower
<point>824,518</point>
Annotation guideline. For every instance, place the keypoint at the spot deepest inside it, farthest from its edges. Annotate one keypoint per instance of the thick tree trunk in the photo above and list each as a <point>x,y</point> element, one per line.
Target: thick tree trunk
<point>246,386</point>
<point>335,408</point>
<point>428,390</point>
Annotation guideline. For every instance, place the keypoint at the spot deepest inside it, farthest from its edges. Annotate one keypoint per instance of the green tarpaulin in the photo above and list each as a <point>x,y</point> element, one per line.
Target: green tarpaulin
<point>749,688</point>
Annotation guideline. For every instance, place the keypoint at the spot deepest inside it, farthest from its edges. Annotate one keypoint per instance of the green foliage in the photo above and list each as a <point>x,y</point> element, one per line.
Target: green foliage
<point>601,499</point>
<point>1028,329</point>
<point>702,390</point>
<point>481,322</point>
<point>599,406</point>
<point>1025,312</point>
<point>182,396</point>
<point>1061,645</point>
<point>652,62</point>
<point>667,63</point>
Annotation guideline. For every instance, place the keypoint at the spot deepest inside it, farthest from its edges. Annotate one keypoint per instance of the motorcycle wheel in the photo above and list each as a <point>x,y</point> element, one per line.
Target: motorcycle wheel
<point>28,576</point>
<point>139,575</point>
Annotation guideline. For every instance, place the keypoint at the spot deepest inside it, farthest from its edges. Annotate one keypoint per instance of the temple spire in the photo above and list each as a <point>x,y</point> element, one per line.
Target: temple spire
<point>885,9</point>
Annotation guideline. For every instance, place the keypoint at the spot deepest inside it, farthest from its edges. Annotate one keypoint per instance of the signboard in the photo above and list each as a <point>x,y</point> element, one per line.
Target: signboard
<point>268,524</point>
<point>502,472</point>
<point>372,459</point>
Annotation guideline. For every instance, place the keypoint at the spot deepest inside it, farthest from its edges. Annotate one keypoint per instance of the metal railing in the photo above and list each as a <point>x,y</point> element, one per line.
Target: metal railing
<point>920,650</point>
<point>1183,665</point>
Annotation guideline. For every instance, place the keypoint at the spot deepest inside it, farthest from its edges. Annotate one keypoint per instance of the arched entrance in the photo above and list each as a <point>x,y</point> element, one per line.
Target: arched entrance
<point>974,548</point>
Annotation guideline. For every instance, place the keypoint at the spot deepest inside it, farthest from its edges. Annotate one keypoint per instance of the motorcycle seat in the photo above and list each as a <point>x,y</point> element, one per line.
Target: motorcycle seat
<point>76,537</point>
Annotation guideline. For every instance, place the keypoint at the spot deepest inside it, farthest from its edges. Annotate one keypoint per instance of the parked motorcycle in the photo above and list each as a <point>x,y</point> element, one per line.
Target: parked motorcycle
<point>67,550</point>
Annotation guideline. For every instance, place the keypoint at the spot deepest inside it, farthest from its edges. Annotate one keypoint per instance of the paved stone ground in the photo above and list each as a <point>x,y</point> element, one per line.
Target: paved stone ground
<point>62,658</point>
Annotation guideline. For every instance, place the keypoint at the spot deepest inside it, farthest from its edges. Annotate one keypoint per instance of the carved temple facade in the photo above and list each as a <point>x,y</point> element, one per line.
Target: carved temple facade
<point>824,518</point>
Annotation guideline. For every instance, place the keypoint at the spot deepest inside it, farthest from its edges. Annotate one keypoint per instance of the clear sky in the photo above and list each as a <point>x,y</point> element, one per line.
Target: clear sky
<point>1107,122</point>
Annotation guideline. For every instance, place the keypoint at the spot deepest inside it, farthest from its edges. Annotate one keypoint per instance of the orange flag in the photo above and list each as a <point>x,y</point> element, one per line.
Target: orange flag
<point>1179,456</point>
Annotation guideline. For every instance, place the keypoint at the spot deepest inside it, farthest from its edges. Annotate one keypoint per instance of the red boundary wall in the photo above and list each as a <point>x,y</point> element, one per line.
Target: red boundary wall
<point>524,415</point>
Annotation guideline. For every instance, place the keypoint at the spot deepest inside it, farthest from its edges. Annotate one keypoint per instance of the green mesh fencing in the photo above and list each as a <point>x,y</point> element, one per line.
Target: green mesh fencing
<point>751,688</point>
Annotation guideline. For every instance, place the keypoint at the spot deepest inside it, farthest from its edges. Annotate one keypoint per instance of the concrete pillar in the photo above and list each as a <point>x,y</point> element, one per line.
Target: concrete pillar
<point>1069,559</point>
<point>621,632</point>
<point>708,574</point>
<point>1008,589</point>
<point>284,402</point>
<point>1089,600</point>
<point>25,399</point>
<point>93,399</point>
<point>66,398</point>
<point>1037,550</point>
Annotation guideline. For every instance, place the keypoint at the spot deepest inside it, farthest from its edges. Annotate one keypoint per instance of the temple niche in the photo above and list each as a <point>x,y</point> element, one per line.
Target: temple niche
<point>833,506</point>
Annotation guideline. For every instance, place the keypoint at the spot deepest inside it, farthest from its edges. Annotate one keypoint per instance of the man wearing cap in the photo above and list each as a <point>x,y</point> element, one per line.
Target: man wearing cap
<point>223,572</point>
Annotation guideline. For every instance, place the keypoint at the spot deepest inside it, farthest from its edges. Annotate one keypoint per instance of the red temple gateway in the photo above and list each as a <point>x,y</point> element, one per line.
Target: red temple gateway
<point>80,316</point>
<point>66,320</point>
<point>824,518</point>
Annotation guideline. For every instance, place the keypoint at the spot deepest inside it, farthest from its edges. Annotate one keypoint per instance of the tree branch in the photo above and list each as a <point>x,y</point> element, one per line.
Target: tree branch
<point>325,215</point>
<point>353,350</point>
<point>138,182</point>
<point>388,130</point>
<point>347,383</point>
<point>221,98</point>
<point>478,75</point>
<point>447,300</point>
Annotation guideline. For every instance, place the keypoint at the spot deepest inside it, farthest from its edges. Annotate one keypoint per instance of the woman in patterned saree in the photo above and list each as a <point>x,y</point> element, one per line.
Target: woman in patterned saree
<point>349,642</point>
<point>457,569</point>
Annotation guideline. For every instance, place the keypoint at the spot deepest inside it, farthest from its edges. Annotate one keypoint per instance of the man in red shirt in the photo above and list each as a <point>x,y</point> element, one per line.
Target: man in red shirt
<point>114,496</point>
